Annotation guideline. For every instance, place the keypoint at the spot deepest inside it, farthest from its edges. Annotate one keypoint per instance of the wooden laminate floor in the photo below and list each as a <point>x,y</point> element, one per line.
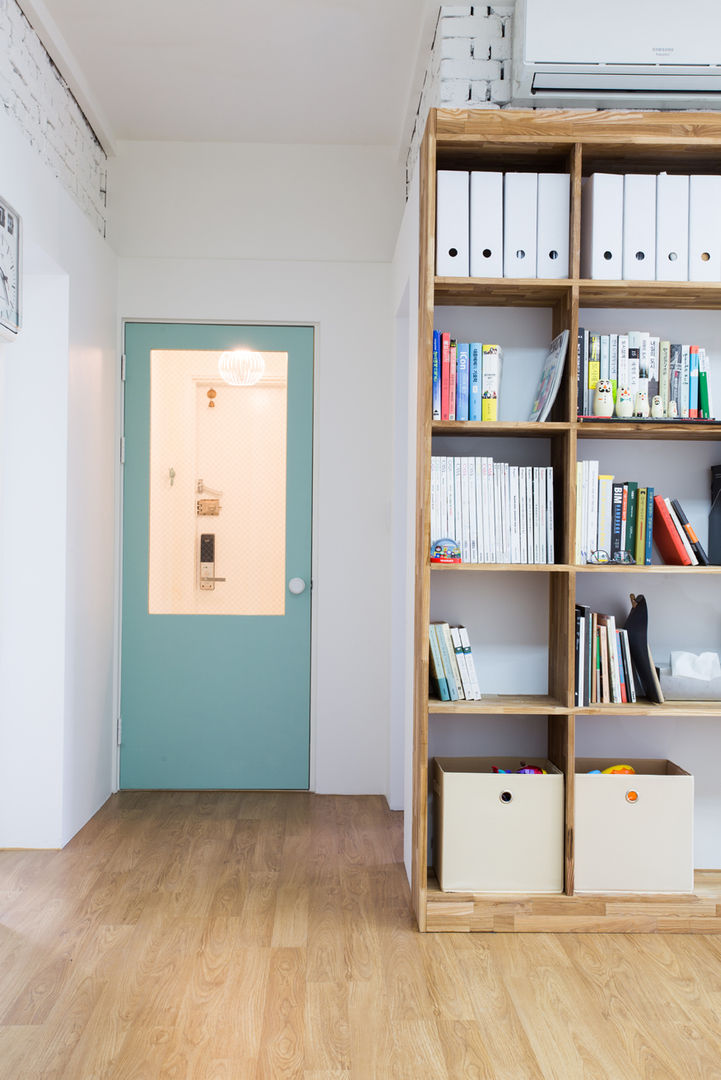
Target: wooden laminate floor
<point>245,936</point>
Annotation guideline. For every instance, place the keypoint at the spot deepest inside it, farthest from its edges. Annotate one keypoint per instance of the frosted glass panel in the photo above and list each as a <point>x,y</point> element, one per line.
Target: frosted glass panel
<point>217,487</point>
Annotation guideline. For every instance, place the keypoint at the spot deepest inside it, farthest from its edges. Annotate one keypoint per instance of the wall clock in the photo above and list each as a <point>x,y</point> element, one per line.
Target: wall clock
<point>10,228</point>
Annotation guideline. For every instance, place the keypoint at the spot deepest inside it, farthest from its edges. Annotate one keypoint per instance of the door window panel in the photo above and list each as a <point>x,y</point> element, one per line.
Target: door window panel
<point>217,487</point>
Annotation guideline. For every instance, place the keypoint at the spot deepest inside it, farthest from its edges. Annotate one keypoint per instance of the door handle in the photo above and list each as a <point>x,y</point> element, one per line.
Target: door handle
<point>296,585</point>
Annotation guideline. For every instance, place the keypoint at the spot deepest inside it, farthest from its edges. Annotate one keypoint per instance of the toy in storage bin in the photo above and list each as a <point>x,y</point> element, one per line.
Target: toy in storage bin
<point>498,832</point>
<point>633,833</point>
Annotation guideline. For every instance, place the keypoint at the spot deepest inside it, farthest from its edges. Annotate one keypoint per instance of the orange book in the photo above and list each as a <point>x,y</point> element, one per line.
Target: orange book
<point>666,536</point>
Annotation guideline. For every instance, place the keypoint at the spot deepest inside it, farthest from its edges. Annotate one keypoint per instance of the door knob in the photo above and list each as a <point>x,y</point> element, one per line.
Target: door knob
<point>296,585</point>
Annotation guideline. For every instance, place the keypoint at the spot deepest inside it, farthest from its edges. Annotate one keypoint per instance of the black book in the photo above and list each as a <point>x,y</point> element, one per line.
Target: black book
<point>714,517</point>
<point>690,533</point>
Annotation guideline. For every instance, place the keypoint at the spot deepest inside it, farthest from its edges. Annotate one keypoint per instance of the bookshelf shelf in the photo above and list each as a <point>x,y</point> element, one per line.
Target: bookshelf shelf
<point>502,704</point>
<point>501,568</point>
<point>494,428</point>
<point>506,292</point>
<point>649,708</point>
<point>689,430</point>
<point>529,601</point>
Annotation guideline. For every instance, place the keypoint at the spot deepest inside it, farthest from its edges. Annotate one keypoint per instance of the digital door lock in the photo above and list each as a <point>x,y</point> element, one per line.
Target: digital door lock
<point>207,562</point>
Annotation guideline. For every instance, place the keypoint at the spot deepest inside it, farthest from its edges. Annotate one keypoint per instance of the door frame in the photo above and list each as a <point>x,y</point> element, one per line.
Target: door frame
<point>119,521</point>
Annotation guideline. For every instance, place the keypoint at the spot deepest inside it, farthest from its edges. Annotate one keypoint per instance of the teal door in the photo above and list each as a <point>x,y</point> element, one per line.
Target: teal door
<point>215,685</point>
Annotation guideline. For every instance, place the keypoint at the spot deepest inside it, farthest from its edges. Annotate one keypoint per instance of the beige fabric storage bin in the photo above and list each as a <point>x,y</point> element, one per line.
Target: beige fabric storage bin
<point>633,845</point>
<point>497,832</point>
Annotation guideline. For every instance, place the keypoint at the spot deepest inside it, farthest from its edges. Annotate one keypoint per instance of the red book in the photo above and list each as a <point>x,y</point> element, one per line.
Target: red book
<point>666,537</point>
<point>445,374</point>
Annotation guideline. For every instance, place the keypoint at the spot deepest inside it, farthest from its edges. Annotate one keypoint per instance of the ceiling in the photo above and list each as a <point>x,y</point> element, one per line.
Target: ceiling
<point>281,71</point>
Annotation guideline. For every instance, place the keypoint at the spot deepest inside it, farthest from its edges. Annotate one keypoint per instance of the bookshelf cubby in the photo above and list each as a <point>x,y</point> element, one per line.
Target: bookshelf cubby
<point>578,143</point>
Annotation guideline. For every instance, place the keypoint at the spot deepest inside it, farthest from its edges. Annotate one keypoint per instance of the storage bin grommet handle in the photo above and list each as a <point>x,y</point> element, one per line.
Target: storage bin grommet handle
<point>505,796</point>
<point>632,796</point>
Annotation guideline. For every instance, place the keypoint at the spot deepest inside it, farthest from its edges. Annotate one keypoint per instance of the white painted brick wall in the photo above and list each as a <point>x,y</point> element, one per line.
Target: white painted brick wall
<point>34,94</point>
<point>469,66</point>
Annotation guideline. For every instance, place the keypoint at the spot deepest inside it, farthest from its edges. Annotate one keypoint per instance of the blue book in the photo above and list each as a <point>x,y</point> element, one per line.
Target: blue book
<point>462,380</point>
<point>436,375</point>
<point>693,382</point>
<point>474,380</point>
<point>649,525</point>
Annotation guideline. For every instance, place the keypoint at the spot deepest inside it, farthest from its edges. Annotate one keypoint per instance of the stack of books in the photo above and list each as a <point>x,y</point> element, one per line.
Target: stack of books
<point>604,670</point>
<point>466,379</point>
<point>495,512</point>
<point>644,363</point>
<point>620,522</point>
<point>452,668</point>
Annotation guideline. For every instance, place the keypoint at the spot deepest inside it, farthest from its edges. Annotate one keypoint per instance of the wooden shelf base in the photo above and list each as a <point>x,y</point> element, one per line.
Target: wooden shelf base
<point>696,913</point>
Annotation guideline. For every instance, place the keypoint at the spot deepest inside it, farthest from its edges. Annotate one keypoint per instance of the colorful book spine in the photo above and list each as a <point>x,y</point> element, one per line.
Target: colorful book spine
<point>649,526</point>
<point>693,382</point>
<point>462,380</point>
<point>630,537</point>
<point>453,694</point>
<point>436,375</point>
<point>703,398</point>
<point>581,371</point>
<point>439,683</point>
<point>639,552</point>
<point>452,381</point>
<point>654,348</point>
<point>624,364</point>
<point>445,375</point>
<point>491,381</point>
<point>594,366</point>
<point>685,382</point>
<point>616,512</point>
<point>475,371</point>
<point>676,365</point>
<point>664,374</point>
<point>666,536</point>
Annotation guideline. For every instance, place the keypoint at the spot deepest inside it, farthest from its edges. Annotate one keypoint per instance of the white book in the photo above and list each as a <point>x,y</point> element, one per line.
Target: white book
<point>451,499</point>
<point>634,361</point>
<point>530,538</point>
<point>613,659</point>
<point>536,514</point>
<point>704,228</point>
<point>605,496</point>
<point>507,525</point>
<point>602,226</point>
<point>550,537</point>
<point>489,510</point>
<point>543,538</point>
<point>481,511</point>
<point>486,231</point>
<point>470,663</point>
<point>462,665</point>
<point>624,367</point>
<point>522,519</point>
<point>578,558</point>
<point>443,498</point>
<point>671,227</point>
<point>458,504</point>
<point>685,380</point>
<point>585,507</point>
<point>465,513</point>
<point>682,532</point>
<point>515,527</point>
<point>452,223</point>
<point>664,373</point>
<point>639,227</point>
<point>520,195</point>
<point>553,217</point>
<point>613,362</point>
<point>592,537</point>
<point>435,500</point>
<point>644,363</point>
<point>473,521</point>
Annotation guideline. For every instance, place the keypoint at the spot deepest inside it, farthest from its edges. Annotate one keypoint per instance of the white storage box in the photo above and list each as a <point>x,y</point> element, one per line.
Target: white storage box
<point>497,832</point>
<point>633,833</point>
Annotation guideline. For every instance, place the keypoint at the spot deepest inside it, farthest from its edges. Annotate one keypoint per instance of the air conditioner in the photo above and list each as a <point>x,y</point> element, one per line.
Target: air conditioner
<point>652,54</point>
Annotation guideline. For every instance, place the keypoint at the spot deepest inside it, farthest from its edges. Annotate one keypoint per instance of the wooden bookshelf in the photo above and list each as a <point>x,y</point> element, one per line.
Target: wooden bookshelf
<point>578,143</point>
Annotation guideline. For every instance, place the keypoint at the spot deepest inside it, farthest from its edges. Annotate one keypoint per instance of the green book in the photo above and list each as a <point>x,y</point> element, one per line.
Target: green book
<point>631,516</point>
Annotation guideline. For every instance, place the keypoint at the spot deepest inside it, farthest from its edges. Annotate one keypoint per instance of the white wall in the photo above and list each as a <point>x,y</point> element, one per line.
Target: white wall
<point>296,235</point>
<point>57,438</point>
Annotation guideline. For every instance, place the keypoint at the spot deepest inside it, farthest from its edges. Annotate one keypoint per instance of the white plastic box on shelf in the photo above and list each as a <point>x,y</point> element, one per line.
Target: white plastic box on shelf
<point>497,832</point>
<point>633,833</point>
